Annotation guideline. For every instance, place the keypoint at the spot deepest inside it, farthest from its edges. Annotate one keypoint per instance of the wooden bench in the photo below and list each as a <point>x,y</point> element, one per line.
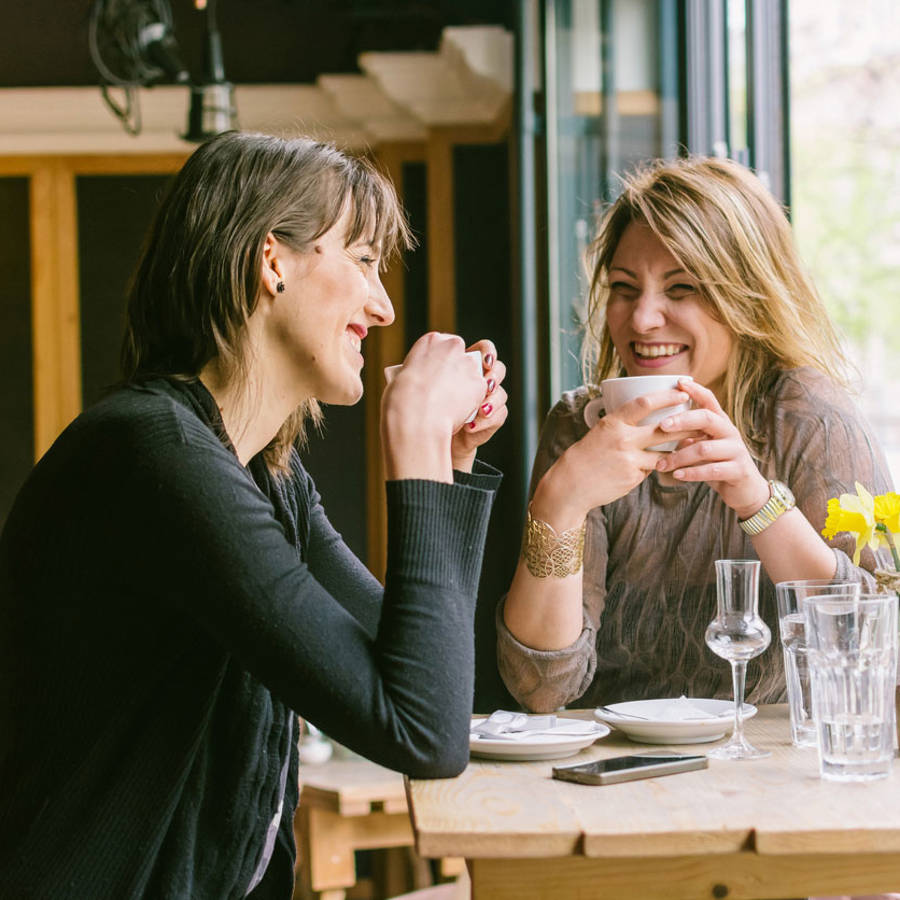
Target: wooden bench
<point>348,805</point>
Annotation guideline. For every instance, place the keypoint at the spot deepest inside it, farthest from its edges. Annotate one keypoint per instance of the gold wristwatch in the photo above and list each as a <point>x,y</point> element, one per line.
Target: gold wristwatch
<point>780,501</point>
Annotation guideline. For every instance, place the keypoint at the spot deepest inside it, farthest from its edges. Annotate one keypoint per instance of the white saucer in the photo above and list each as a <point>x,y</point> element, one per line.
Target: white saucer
<point>534,747</point>
<point>655,729</point>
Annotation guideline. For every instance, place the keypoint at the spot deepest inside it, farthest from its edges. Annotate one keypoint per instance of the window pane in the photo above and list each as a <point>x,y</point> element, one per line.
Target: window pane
<point>610,79</point>
<point>845,147</point>
<point>737,80</point>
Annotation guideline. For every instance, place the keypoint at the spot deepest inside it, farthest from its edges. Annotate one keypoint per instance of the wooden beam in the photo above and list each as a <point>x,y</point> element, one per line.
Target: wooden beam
<point>440,234</point>
<point>95,164</point>
<point>56,332</point>
<point>144,164</point>
<point>384,347</point>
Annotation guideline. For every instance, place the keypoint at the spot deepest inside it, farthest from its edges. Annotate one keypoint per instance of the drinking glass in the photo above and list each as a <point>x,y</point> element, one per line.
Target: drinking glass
<point>792,626</point>
<point>737,634</point>
<point>853,669</point>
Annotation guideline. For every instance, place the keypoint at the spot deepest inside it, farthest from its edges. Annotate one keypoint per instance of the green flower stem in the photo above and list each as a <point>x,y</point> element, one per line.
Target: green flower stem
<point>891,542</point>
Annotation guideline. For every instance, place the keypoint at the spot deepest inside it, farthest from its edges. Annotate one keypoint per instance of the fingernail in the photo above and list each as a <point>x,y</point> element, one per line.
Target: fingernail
<point>486,409</point>
<point>472,424</point>
<point>666,423</point>
<point>661,464</point>
<point>488,360</point>
<point>678,473</point>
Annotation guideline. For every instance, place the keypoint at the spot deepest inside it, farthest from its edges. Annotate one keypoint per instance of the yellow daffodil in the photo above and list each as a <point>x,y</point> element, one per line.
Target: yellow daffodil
<point>887,511</point>
<point>887,514</point>
<point>856,514</point>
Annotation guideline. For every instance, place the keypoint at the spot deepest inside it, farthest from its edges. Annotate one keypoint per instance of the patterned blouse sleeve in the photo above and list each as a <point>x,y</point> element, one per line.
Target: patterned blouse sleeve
<point>823,445</point>
<point>544,680</point>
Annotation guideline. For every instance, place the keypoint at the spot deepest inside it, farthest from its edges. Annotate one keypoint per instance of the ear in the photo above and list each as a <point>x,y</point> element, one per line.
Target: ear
<point>272,269</point>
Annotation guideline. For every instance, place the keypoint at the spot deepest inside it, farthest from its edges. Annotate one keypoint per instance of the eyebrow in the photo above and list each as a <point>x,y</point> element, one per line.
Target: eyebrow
<point>668,274</point>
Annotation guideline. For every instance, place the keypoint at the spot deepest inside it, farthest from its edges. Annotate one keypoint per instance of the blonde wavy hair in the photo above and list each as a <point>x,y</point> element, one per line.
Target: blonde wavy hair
<point>724,228</point>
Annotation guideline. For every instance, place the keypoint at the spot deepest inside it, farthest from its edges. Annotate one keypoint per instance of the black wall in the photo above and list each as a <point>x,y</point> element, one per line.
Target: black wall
<point>16,395</point>
<point>45,42</point>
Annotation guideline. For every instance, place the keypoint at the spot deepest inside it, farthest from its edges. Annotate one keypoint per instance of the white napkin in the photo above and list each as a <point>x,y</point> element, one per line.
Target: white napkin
<point>509,726</point>
<point>682,709</point>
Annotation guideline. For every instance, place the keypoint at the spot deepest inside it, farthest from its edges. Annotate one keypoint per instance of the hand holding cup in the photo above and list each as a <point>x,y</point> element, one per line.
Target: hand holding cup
<point>440,404</point>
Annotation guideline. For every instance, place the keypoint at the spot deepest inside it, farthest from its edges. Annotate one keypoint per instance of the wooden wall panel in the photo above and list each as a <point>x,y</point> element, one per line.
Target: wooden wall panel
<point>384,347</point>
<point>54,302</point>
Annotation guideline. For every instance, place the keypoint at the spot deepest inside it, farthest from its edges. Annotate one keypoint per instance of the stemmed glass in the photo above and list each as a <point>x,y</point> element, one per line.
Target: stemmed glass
<point>737,634</point>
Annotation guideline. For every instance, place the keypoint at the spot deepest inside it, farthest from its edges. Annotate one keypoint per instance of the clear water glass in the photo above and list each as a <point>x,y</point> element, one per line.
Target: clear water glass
<point>853,669</point>
<point>792,627</point>
<point>737,634</point>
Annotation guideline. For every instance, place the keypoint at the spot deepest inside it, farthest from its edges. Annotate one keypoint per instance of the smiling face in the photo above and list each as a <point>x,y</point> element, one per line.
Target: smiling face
<point>656,317</point>
<point>333,295</point>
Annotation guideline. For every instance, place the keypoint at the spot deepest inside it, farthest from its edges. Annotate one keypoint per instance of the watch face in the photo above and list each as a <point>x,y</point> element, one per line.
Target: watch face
<point>783,493</point>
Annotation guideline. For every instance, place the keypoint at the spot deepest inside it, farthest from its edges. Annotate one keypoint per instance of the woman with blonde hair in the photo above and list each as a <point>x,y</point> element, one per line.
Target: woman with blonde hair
<point>694,273</point>
<point>172,594</point>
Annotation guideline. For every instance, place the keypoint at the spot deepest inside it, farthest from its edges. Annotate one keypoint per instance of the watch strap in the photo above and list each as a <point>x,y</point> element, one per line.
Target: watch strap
<point>780,501</point>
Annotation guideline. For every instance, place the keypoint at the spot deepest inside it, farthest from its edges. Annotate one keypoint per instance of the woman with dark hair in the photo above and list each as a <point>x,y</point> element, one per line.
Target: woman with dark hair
<point>172,594</point>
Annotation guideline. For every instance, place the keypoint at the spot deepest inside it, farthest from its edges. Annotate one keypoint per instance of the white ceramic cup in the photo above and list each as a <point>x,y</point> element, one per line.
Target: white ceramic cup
<point>618,391</point>
<point>474,355</point>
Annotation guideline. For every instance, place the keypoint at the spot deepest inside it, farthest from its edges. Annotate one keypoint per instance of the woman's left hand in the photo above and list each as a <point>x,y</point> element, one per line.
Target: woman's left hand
<point>716,455</point>
<point>492,411</point>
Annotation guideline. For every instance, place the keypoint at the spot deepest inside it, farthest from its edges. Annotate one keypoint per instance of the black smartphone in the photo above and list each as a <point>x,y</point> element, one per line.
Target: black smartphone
<point>629,768</point>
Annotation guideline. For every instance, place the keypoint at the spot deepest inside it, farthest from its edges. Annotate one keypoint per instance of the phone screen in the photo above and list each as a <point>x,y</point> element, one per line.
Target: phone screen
<point>629,768</point>
<point>618,763</point>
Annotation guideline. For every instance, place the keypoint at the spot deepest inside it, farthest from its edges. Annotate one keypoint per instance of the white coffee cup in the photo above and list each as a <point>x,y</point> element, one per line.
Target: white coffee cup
<point>618,391</point>
<point>474,355</point>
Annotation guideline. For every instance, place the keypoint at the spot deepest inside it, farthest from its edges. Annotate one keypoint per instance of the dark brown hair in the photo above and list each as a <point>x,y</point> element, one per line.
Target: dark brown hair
<point>199,275</point>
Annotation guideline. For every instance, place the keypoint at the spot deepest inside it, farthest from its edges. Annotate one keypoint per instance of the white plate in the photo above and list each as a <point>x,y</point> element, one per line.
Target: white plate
<point>654,729</point>
<point>538,746</point>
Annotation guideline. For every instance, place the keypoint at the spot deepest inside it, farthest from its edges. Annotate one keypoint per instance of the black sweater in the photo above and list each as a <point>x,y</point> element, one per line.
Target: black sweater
<point>165,611</point>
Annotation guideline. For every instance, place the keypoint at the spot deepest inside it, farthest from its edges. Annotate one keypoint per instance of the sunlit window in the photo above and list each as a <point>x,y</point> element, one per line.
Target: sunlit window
<point>845,153</point>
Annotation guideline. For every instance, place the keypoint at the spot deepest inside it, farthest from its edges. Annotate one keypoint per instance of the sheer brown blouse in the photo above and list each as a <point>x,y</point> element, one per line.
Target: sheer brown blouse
<point>649,580</point>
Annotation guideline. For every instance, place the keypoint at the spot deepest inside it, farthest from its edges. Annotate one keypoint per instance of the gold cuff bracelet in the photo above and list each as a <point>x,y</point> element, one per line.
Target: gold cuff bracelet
<point>547,553</point>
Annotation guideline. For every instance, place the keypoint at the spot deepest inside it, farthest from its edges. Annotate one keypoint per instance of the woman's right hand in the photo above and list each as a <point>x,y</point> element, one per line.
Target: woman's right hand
<point>427,401</point>
<point>607,463</point>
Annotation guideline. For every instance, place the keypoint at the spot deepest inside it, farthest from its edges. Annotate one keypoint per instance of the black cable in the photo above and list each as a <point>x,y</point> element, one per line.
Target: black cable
<point>131,43</point>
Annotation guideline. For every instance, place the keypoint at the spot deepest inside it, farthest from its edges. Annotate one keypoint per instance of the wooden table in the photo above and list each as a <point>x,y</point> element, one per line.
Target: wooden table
<point>768,828</point>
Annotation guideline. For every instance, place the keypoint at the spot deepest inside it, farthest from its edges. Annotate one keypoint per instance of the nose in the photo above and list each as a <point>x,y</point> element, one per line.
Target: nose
<point>379,306</point>
<point>648,312</point>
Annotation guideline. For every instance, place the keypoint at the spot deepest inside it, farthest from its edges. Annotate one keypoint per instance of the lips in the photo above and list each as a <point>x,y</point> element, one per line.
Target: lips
<point>355,335</point>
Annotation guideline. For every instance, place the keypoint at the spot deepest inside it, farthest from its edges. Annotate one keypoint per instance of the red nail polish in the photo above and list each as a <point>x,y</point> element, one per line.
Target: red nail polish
<point>488,360</point>
<point>486,409</point>
<point>472,424</point>
<point>491,384</point>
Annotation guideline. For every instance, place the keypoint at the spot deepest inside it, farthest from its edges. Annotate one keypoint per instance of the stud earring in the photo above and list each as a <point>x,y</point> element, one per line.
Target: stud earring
<point>280,287</point>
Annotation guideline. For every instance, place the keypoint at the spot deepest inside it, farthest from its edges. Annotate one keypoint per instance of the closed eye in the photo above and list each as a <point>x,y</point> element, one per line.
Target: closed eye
<point>623,287</point>
<point>680,290</point>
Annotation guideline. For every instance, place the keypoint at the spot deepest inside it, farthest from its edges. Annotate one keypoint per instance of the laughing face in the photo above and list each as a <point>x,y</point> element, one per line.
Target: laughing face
<point>333,295</point>
<point>657,319</point>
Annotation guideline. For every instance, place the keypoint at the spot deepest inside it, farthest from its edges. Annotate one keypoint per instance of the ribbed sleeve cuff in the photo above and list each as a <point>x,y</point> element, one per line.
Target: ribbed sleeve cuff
<point>436,532</point>
<point>482,476</point>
